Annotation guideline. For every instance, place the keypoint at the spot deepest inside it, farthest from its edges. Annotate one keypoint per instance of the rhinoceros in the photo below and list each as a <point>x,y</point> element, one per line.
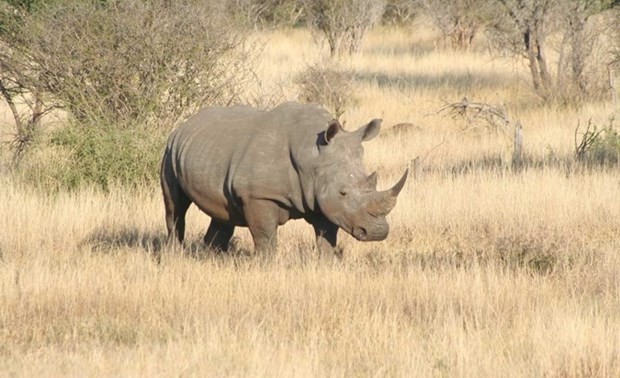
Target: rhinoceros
<point>258,169</point>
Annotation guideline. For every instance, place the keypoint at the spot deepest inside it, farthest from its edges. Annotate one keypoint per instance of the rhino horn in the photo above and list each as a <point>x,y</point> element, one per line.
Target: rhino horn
<point>371,180</point>
<point>399,185</point>
<point>385,201</point>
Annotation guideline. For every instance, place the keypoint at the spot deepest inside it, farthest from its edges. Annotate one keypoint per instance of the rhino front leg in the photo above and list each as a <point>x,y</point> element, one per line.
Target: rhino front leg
<point>326,237</point>
<point>218,235</point>
<point>262,219</point>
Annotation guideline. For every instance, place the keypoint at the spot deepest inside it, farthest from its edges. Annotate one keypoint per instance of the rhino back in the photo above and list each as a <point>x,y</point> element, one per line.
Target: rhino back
<point>222,156</point>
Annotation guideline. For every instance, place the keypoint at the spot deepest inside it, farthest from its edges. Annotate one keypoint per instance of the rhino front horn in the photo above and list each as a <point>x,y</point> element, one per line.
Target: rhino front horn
<point>386,200</point>
<point>399,185</point>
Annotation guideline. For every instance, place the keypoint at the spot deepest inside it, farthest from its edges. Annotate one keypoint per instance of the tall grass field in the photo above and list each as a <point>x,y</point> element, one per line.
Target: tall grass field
<point>488,271</point>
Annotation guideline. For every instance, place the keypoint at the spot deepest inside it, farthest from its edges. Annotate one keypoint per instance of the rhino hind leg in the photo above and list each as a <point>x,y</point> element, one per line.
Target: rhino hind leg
<point>176,204</point>
<point>176,220</point>
<point>218,235</point>
<point>176,208</point>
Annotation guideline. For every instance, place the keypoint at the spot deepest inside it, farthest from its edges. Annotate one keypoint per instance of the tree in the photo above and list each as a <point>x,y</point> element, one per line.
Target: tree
<point>344,22</point>
<point>265,13</point>
<point>459,21</point>
<point>14,87</point>
<point>522,26</point>
<point>579,42</point>
<point>118,62</point>
<point>400,12</point>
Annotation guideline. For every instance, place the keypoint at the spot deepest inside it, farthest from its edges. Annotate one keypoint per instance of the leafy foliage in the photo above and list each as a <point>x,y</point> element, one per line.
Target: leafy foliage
<point>97,156</point>
<point>606,150</point>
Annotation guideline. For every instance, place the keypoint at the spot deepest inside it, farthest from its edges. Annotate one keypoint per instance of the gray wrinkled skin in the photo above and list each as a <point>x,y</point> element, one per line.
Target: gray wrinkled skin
<point>250,168</point>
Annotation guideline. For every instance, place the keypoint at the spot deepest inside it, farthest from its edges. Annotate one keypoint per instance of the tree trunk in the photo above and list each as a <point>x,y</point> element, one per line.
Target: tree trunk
<point>335,45</point>
<point>463,35</point>
<point>534,43</point>
<point>533,62</point>
<point>577,52</point>
<point>542,63</point>
<point>517,153</point>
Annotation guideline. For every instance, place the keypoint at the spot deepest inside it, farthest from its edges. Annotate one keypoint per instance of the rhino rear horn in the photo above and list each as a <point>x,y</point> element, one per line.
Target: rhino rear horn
<point>371,180</point>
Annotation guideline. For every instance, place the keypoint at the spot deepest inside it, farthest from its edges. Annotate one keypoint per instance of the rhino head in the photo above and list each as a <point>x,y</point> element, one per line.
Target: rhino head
<point>346,195</point>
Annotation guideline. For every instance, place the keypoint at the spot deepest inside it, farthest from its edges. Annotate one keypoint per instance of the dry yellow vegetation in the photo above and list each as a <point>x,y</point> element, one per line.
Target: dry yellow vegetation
<point>486,272</point>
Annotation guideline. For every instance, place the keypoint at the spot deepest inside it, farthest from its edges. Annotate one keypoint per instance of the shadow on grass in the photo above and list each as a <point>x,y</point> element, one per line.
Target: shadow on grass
<point>540,256</point>
<point>107,241</point>
<point>240,254</point>
<point>406,51</point>
<point>567,164</point>
<point>457,81</point>
<point>494,163</point>
<point>516,257</point>
<point>542,253</point>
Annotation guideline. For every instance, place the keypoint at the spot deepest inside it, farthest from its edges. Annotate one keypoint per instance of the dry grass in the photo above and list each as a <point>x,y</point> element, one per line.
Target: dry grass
<point>486,272</point>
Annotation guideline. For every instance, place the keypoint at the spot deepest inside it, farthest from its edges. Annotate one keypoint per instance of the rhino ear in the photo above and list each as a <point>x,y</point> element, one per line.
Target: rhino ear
<point>369,131</point>
<point>333,129</point>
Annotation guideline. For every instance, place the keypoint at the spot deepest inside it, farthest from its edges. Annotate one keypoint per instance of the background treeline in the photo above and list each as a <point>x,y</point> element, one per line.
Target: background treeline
<point>124,72</point>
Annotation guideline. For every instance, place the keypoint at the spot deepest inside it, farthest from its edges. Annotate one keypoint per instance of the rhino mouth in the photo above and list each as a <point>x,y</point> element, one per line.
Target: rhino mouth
<point>375,233</point>
<point>360,233</point>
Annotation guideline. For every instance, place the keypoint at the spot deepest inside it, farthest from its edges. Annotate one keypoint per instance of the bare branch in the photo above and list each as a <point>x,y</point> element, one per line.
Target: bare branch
<point>344,23</point>
<point>8,97</point>
<point>588,138</point>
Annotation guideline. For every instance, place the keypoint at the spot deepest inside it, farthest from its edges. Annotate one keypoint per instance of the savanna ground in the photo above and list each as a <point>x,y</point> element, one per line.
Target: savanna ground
<point>486,272</point>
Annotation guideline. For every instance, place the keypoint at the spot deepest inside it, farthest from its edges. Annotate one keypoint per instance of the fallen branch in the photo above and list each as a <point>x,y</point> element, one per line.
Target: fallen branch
<point>475,111</point>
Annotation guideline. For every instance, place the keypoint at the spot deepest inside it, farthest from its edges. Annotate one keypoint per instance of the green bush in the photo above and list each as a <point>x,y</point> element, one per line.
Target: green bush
<point>606,148</point>
<point>96,156</point>
<point>598,146</point>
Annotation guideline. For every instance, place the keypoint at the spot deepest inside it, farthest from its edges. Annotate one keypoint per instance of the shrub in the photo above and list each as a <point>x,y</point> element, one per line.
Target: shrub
<point>327,85</point>
<point>96,156</point>
<point>598,145</point>
<point>606,149</point>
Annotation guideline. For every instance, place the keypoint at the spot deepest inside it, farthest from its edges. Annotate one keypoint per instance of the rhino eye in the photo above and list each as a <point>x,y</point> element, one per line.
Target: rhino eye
<point>343,193</point>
